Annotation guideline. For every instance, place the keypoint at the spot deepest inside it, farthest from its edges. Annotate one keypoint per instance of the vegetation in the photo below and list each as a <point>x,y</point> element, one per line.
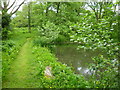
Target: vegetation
<point>63,77</point>
<point>10,49</point>
<point>6,17</point>
<point>51,23</point>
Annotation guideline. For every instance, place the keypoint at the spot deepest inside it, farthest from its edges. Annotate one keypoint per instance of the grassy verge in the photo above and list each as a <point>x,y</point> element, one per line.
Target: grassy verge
<point>10,48</point>
<point>20,69</point>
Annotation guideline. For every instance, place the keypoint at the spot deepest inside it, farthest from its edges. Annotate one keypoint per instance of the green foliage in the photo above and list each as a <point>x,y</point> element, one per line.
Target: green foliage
<point>5,25</point>
<point>49,30</point>
<point>10,48</point>
<point>42,41</point>
<point>61,38</point>
<point>105,73</point>
<point>59,22</point>
<point>47,34</point>
<point>5,20</point>
<point>91,35</point>
<point>63,76</point>
<point>94,36</point>
<point>21,19</point>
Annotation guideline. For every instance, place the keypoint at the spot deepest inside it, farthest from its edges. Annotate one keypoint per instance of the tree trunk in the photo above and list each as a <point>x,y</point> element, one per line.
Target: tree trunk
<point>6,18</point>
<point>29,17</point>
<point>5,24</point>
<point>58,6</point>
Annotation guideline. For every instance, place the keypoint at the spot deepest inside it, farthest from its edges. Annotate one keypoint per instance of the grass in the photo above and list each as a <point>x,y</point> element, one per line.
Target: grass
<point>16,59</point>
<point>16,76</point>
<point>20,75</point>
<point>27,69</point>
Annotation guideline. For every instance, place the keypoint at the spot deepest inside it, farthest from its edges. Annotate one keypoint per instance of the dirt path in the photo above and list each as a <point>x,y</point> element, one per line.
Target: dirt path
<point>20,75</point>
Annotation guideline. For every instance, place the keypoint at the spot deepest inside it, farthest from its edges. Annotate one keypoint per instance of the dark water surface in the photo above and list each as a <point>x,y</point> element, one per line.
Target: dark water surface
<point>79,59</point>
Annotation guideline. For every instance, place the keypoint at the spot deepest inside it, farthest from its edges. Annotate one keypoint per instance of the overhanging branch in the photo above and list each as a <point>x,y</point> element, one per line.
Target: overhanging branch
<point>17,8</point>
<point>8,2</point>
<point>13,9</point>
<point>11,5</point>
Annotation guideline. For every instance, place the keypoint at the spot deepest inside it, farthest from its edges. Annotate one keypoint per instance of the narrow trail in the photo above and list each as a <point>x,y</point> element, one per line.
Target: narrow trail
<point>20,75</point>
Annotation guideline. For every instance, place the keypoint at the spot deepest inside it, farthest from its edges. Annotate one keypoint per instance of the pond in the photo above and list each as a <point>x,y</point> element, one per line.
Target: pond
<point>78,59</point>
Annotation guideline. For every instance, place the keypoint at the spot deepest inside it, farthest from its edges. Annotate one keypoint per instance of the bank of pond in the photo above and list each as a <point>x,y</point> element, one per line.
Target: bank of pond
<point>78,59</point>
<point>69,65</point>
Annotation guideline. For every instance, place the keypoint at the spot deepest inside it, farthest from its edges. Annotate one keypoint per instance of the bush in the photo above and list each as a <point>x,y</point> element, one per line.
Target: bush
<point>105,73</point>
<point>49,30</point>
<point>42,41</point>
<point>61,38</point>
<point>99,36</point>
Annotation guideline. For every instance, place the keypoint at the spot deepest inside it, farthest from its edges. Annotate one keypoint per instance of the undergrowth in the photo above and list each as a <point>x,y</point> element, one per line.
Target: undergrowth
<point>63,76</point>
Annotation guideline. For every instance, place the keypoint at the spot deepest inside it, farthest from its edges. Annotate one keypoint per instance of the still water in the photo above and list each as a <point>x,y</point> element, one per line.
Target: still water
<point>78,59</point>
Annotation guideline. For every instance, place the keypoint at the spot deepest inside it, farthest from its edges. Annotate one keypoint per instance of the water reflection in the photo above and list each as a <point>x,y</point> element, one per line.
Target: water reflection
<point>78,59</point>
<point>84,71</point>
<point>79,68</point>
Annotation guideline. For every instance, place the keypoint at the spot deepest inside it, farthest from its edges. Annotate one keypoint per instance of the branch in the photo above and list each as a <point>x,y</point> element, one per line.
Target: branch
<point>97,7</point>
<point>1,8</point>
<point>58,6</point>
<point>13,9</point>
<point>4,5</point>
<point>8,2</point>
<point>47,8</point>
<point>91,7</point>
<point>17,8</point>
<point>115,6</point>
<point>100,9</point>
<point>11,5</point>
<point>95,11</point>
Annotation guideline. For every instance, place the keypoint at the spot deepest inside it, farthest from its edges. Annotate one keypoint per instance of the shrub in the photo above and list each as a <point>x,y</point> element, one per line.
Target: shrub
<point>49,30</point>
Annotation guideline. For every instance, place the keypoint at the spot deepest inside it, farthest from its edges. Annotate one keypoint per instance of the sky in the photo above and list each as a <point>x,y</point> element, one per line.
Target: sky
<point>19,1</point>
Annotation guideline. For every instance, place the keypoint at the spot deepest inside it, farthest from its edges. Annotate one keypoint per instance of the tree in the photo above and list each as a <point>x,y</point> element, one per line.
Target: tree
<point>21,19</point>
<point>102,9</point>
<point>6,17</point>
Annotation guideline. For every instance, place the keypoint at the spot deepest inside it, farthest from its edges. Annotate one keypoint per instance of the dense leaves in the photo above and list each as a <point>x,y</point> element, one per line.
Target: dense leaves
<point>63,77</point>
<point>9,54</point>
